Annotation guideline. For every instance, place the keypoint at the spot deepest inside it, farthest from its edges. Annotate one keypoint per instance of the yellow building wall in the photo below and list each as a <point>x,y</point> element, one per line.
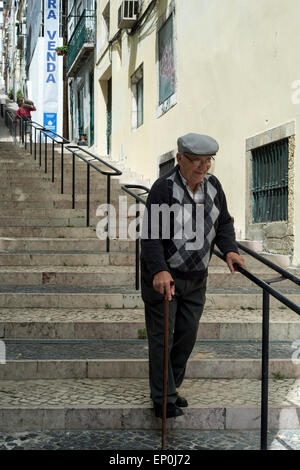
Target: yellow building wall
<point>236,61</point>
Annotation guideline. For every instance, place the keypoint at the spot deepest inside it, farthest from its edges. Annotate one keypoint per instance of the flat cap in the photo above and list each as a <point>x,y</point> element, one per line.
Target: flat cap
<point>197,144</point>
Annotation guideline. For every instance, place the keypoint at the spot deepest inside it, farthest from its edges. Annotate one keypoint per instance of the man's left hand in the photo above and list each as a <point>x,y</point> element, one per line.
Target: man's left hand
<point>231,258</point>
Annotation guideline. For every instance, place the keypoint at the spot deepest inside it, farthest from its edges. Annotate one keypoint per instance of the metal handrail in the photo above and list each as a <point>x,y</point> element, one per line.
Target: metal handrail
<point>270,264</point>
<point>267,291</point>
<point>127,188</point>
<point>108,174</point>
<point>73,149</point>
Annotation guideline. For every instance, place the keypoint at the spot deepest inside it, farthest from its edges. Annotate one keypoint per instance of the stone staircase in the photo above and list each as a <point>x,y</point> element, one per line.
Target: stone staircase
<point>71,323</point>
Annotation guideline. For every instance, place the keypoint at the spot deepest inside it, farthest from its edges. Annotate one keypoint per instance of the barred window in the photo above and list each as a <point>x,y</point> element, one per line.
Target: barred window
<point>270,182</point>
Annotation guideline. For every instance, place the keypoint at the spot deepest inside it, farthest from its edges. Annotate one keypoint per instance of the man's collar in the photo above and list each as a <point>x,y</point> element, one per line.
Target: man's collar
<point>186,183</point>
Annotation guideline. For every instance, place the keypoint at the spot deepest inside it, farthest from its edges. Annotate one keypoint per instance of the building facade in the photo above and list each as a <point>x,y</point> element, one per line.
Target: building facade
<point>223,68</point>
<point>81,27</point>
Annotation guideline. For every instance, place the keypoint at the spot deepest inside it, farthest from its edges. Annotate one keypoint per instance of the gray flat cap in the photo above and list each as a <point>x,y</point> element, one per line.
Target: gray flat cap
<point>197,144</point>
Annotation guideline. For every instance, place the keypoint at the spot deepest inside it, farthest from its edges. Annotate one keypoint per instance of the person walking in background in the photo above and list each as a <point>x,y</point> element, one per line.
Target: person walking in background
<point>24,111</point>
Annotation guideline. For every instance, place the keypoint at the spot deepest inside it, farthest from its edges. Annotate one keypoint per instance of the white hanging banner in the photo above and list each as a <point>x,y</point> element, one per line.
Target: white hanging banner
<point>51,38</point>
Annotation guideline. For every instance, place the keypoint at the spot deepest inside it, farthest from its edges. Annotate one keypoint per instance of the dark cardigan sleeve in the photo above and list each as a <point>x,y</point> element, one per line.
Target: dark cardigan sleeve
<point>152,252</point>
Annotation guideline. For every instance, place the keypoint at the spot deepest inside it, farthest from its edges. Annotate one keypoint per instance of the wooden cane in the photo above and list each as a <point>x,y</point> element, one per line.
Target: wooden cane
<point>165,382</point>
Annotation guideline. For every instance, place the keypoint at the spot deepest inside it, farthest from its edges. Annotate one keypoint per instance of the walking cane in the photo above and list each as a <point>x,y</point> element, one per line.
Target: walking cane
<point>165,383</point>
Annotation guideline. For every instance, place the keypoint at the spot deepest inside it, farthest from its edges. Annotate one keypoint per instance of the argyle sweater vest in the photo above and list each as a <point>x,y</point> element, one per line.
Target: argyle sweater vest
<point>174,254</point>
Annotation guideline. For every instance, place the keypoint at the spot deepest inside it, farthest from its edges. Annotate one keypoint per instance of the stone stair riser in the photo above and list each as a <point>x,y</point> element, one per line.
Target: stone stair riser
<point>65,244</point>
<point>55,212</point>
<point>68,279</point>
<point>38,174</point>
<point>54,277</point>
<point>30,418</point>
<point>24,329</point>
<point>66,300</point>
<point>37,186</point>
<point>13,206</point>
<point>138,369</point>
<point>61,259</point>
<point>71,300</point>
<point>48,232</point>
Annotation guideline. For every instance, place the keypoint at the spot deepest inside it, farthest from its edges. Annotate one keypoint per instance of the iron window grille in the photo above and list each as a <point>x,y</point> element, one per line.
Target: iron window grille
<point>270,182</point>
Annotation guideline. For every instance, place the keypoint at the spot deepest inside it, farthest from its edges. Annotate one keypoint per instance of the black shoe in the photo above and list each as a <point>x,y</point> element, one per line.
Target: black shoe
<point>182,402</point>
<point>172,410</point>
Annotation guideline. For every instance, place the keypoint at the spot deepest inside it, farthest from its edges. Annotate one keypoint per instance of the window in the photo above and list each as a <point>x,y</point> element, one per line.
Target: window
<point>270,182</point>
<point>137,86</point>
<point>166,61</point>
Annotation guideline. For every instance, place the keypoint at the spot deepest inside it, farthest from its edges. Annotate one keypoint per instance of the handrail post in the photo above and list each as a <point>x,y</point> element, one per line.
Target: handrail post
<point>53,162</point>
<point>46,162</point>
<point>108,214</point>
<point>35,143</point>
<point>25,134</point>
<point>40,146</point>
<point>73,181</point>
<point>265,371</point>
<point>137,247</point>
<point>62,169</point>
<point>88,196</point>
<point>31,139</point>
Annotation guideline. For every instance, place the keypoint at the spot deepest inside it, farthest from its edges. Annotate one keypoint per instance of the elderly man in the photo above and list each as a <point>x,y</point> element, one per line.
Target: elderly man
<point>182,260</point>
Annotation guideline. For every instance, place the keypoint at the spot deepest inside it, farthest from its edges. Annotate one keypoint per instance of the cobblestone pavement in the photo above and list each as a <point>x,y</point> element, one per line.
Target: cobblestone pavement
<point>134,393</point>
<point>138,349</point>
<point>148,440</point>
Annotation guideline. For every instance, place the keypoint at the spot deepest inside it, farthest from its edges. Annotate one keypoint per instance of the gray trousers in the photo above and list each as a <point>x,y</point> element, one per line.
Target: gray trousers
<point>185,310</point>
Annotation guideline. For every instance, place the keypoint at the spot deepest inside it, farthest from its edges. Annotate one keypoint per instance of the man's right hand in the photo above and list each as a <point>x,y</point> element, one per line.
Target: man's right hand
<point>162,283</point>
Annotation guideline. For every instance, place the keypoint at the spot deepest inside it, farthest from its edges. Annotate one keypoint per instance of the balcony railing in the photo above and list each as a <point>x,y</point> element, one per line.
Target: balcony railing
<point>83,37</point>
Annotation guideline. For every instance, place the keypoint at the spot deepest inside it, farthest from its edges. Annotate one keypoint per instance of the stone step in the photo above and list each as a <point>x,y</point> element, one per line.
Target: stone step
<point>35,170</point>
<point>65,244</point>
<point>70,404</point>
<point>65,209</point>
<point>121,297</point>
<point>42,179</point>
<point>36,258</point>
<point>43,212</point>
<point>106,275</point>
<point>18,195</point>
<point>108,323</point>
<point>40,186</point>
<point>68,275</point>
<point>33,369</point>
<point>43,222</point>
<point>48,232</point>
<point>61,359</point>
<point>73,221</point>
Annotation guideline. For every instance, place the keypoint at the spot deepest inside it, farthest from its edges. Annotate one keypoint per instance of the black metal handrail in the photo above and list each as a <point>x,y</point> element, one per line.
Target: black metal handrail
<point>267,291</point>
<point>10,122</point>
<point>127,188</point>
<point>73,149</point>
<point>108,174</point>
